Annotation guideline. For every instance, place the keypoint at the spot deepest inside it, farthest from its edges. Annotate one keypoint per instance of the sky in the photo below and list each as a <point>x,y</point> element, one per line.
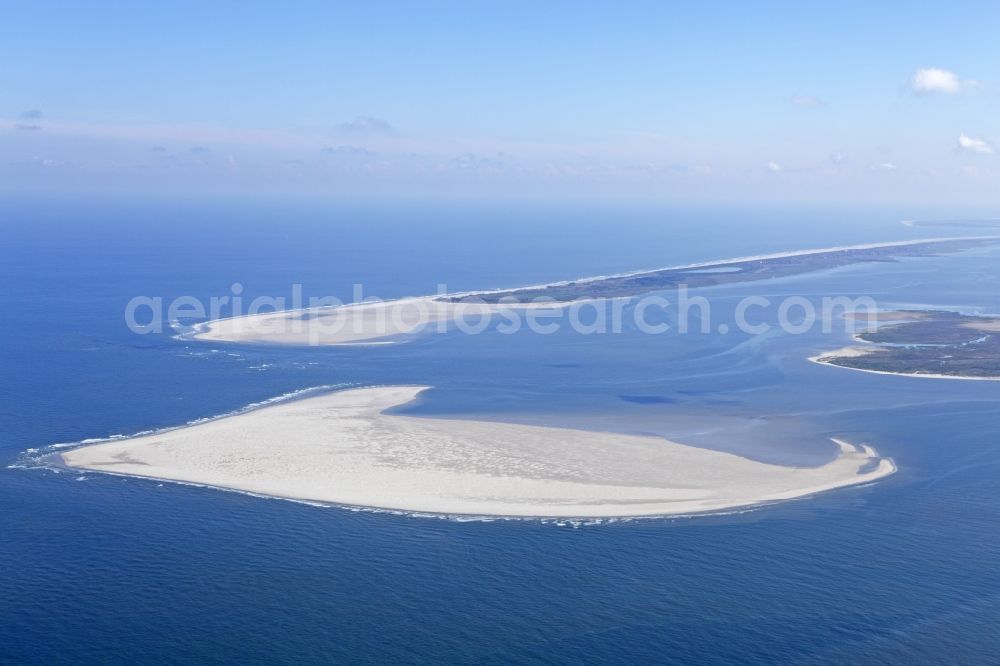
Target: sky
<point>730,102</point>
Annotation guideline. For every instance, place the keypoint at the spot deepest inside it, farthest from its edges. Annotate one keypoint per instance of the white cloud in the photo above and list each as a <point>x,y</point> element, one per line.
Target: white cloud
<point>366,125</point>
<point>807,101</point>
<point>968,143</point>
<point>353,151</point>
<point>884,166</point>
<point>935,80</point>
<point>774,167</point>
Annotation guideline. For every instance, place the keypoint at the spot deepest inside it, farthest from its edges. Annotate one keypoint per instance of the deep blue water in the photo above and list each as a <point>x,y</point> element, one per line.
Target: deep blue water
<point>98,569</point>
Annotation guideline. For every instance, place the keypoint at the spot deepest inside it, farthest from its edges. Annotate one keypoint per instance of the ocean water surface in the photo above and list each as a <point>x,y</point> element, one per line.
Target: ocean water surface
<point>102,569</point>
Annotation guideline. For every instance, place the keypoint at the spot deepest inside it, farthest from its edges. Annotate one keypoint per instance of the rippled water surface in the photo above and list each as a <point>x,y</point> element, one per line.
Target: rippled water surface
<point>100,569</point>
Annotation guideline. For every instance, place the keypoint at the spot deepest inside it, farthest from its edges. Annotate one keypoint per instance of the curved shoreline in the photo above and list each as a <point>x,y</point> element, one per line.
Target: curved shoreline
<point>341,448</point>
<point>727,262</point>
<point>818,359</point>
<point>369,323</point>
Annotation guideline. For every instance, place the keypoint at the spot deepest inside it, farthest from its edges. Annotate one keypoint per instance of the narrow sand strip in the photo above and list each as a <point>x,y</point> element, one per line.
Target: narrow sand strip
<point>341,448</point>
<point>357,323</point>
<point>828,359</point>
<point>379,322</point>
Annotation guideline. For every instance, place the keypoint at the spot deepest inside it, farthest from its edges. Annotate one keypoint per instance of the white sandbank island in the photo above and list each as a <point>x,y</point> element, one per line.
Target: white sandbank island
<point>377,322</point>
<point>382,322</point>
<point>342,448</point>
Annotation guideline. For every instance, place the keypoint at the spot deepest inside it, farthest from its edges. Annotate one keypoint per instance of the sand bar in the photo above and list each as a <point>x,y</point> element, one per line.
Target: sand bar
<point>381,322</point>
<point>388,321</point>
<point>988,325</point>
<point>340,448</point>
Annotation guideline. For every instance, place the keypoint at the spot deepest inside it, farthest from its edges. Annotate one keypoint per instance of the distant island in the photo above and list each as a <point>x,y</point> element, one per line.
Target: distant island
<point>386,322</point>
<point>925,343</point>
<point>977,223</point>
<point>746,269</point>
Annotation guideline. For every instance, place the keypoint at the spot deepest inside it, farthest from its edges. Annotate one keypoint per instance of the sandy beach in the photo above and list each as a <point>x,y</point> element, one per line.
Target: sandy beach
<point>385,322</point>
<point>341,448</point>
<point>382,322</point>
<point>894,317</point>
<point>853,352</point>
<point>754,257</point>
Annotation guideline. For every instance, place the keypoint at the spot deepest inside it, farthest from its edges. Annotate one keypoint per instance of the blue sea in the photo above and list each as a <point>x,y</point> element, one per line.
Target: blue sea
<point>100,569</point>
